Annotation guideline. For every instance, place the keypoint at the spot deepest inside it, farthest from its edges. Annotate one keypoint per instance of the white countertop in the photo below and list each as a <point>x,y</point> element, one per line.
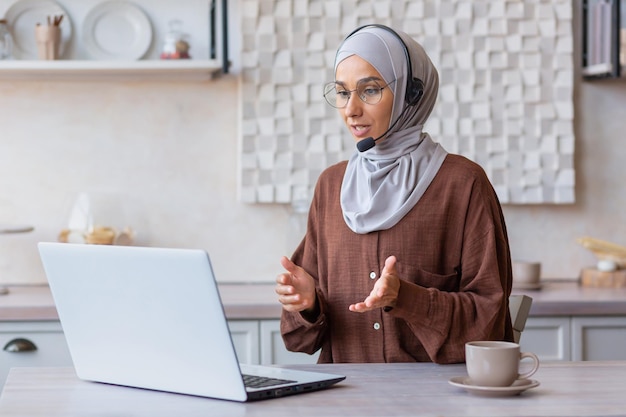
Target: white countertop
<point>258,301</point>
<point>28,303</point>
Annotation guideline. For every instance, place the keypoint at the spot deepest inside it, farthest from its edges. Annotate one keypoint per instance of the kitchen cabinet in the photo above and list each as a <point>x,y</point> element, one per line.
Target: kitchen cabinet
<point>255,341</point>
<point>598,338</point>
<point>259,342</point>
<point>577,338</point>
<point>50,348</point>
<point>245,336</point>
<point>547,337</point>
<point>566,322</point>
<point>273,349</point>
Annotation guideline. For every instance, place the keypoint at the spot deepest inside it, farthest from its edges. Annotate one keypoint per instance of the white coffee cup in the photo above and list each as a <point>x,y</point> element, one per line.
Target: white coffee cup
<point>496,364</point>
<point>526,273</point>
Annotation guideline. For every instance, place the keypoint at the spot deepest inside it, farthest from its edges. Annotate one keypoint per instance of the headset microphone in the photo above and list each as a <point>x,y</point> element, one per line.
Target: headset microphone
<point>369,142</point>
<point>366,144</point>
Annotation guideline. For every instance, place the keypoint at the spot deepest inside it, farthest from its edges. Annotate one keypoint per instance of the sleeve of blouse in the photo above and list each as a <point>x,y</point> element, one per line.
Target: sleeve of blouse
<point>300,334</point>
<point>445,321</point>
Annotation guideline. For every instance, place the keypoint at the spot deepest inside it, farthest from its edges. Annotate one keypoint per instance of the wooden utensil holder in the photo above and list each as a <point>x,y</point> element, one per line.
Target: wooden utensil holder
<point>48,38</point>
<point>592,277</point>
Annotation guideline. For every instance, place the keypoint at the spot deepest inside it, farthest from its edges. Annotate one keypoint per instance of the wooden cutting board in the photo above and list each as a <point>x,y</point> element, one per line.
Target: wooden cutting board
<point>591,277</point>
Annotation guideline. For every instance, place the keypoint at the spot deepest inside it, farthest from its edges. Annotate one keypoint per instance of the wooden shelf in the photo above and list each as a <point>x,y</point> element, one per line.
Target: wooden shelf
<point>172,70</point>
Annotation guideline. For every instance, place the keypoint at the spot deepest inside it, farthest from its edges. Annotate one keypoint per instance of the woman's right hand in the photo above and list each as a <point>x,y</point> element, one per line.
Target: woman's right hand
<point>295,288</point>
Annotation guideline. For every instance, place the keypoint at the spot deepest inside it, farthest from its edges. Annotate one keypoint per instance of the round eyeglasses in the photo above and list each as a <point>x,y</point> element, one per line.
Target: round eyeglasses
<point>368,90</point>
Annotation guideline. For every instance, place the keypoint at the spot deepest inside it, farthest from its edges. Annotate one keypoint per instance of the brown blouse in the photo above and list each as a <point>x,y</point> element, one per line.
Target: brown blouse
<point>453,259</point>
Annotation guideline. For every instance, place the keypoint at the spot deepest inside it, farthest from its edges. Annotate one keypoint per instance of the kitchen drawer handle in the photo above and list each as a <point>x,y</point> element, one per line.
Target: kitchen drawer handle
<point>20,345</point>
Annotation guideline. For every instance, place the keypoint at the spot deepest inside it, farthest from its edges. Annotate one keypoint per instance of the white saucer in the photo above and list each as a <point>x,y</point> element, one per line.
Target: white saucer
<point>517,388</point>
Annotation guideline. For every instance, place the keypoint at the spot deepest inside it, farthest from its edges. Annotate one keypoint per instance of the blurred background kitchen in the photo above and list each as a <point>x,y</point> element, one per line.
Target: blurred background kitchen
<point>168,153</point>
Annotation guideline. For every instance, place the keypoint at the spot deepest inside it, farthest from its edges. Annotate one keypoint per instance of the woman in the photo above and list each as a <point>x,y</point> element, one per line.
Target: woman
<point>406,254</point>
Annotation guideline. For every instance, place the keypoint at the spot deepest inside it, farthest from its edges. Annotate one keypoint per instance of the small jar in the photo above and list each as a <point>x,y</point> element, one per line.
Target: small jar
<point>6,41</point>
<point>175,45</point>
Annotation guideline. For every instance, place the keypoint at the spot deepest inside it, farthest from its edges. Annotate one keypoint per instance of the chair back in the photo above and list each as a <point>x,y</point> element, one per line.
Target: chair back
<point>519,307</point>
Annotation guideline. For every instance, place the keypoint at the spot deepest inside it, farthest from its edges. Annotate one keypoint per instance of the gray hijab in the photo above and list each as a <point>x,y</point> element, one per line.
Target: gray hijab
<point>382,184</point>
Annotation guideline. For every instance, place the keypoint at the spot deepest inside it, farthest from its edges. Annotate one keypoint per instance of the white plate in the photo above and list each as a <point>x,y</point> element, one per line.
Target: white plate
<point>117,30</point>
<point>517,388</point>
<point>22,18</point>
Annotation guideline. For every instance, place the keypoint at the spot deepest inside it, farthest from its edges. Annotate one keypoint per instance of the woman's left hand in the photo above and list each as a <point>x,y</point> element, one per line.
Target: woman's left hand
<point>385,291</point>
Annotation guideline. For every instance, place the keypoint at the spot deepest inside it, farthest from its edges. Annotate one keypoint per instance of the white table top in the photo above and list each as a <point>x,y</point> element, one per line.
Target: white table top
<point>566,389</point>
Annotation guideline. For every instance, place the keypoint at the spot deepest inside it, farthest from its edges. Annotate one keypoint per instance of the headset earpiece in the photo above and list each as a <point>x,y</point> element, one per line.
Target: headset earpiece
<point>414,91</point>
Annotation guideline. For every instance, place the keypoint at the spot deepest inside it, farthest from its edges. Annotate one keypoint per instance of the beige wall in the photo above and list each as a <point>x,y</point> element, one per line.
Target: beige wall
<point>169,150</point>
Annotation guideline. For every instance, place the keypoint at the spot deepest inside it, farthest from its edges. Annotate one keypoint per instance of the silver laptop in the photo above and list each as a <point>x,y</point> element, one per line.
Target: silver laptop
<point>152,318</point>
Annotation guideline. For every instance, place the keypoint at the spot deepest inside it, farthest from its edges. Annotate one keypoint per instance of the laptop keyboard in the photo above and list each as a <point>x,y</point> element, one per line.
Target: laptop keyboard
<point>255,381</point>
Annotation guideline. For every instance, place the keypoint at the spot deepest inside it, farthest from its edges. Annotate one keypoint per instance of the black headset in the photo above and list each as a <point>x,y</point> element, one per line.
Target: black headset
<point>414,86</point>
